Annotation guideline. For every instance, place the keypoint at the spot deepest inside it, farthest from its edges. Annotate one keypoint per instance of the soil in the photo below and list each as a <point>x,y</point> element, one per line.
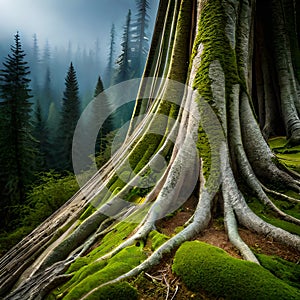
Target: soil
<point>160,283</point>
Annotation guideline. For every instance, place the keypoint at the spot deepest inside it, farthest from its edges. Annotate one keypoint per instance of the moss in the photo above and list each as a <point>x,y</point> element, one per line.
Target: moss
<point>202,266</point>
<point>291,208</point>
<point>216,47</point>
<point>267,215</point>
<point>94,274</point>
<point>89,211</point>
<point>277,143</point>
<point>157,239</point>
<point>120,291</point>
<point>178,229</point>
<point>287,271</point>
<point>287,155</point>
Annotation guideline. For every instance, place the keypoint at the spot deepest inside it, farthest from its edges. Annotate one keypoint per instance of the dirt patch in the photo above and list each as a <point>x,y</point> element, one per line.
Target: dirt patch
<point>267,245</point>
<point>217,236</point>
<point>169,224</point>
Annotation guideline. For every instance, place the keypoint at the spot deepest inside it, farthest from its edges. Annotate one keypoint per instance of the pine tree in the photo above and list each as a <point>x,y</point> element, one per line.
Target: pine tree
<point>17,146</point>
<point>111,58</point>
<point>34,62</point>
<point>47,94</point>
<point>140,39</point>
<point>99,87</point>
<point>124,71</point>
<point>101,108</point>
<point>42,136</point>
<point>69,117</point>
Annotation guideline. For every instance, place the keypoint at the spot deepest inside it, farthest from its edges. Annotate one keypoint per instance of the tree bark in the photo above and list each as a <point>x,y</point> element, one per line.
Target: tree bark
<point>232,92</point>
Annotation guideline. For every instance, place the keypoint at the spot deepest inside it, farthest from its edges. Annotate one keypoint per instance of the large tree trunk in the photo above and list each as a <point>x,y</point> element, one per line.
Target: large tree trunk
<point>220,78</point>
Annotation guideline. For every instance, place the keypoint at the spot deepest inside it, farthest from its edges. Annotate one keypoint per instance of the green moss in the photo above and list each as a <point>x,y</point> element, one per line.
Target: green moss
<point>267,215</point>
<point>287,155</point>
<point>277,143</point>
<point>178,229</point>
<point>94,274</point>
<point>118,291</point>
<point>216,47</point>
<point>287,271</point>
<point>89,211</point>
<point>202,266</point>
<point>157,239</point>
<point>291,208</point>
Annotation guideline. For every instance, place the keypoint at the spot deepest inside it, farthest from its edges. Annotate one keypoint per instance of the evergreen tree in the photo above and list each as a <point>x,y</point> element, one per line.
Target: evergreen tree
<point>47,95</point>
<point>99,87</point>
<point>69,117</point>
<point>34,64</point>
<point>101,108</point>
<point>17,146</point>
<point>111,58</point>
<point>124,71</point>
<point>140,39</point>
<point>42,136</point>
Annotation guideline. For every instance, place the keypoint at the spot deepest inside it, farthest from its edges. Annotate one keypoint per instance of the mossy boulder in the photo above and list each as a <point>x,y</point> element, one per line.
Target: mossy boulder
<point>205,267</point>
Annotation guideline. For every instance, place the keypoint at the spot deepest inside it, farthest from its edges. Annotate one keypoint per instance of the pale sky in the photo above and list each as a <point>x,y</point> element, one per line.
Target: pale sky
<point>61,21</point>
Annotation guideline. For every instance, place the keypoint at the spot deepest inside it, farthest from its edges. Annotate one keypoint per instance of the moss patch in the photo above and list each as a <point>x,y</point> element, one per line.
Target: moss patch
<point>287,155</point>
<point>267,215</point>
<point>120,291</point>
<point>202,266</point>
<point>157,239</point>
<point>96,273</point>
<point>287,271</point>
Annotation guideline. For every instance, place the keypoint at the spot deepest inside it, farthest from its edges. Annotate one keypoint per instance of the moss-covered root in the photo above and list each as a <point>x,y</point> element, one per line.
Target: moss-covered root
<point>245,215</point>
<point>211,269</point>
<point>200,221</point>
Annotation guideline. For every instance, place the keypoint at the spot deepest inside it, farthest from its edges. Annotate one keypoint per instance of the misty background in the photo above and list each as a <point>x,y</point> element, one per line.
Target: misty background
<point>65,31</point>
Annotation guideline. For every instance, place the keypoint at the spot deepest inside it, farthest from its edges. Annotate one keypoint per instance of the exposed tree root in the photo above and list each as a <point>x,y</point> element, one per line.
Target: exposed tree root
<point>219,105</point>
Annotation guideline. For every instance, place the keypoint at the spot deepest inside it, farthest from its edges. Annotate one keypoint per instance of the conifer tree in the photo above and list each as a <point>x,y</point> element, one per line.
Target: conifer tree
<point>111,58</point>
<point>41,134</point>
<point>101,109</point>
<point>140,39</point>
<point>47,94</point>
<point>17,146</point>
<point>69,116</point>
<point>124,71</point>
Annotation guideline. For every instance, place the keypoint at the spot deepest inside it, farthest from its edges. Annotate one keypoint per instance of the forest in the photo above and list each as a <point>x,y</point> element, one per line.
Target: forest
<point>171,173</point>
<point>39,112</point>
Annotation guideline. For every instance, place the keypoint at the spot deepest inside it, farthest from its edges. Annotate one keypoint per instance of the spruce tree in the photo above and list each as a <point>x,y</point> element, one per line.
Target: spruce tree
<point>140,39</point>
<point>17,146</point>
<point>102,111</point>
<point>124,71</point>
<point>41,134</point>
<point>110,66</point>
<point>69,116</point>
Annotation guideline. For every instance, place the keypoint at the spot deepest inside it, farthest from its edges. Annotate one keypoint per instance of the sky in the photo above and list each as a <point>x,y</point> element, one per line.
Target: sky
<point>59,21</point>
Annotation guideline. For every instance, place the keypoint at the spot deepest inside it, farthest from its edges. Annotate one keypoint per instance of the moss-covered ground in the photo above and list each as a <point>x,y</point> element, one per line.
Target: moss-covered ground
<point>202,266</point>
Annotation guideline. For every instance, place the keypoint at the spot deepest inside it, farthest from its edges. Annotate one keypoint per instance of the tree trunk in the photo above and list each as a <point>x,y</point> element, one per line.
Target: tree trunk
<point>220,78</point>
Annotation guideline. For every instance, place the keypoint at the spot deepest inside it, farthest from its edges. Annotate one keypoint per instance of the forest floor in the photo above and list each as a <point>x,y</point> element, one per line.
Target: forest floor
<point>160,283</point>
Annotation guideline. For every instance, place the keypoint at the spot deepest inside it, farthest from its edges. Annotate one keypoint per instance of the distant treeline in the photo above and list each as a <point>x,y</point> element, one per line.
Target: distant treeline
<point>39,108</point>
